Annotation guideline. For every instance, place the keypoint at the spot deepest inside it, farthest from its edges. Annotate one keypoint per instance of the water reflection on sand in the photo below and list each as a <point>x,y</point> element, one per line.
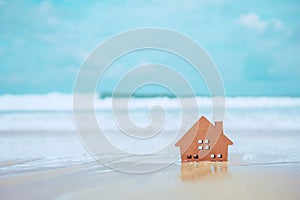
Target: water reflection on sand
<point>191,171</point>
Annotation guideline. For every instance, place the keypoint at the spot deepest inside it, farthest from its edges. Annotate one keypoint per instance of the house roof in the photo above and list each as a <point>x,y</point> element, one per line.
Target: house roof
<point>204,125</point>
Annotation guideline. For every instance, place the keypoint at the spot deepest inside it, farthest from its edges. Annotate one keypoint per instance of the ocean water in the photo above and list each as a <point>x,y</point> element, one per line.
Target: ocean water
<point>38,131</point>
<point>53,112</point>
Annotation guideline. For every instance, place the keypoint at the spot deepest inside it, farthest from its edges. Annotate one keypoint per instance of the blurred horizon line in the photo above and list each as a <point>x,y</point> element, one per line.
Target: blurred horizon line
<point>104,95</point>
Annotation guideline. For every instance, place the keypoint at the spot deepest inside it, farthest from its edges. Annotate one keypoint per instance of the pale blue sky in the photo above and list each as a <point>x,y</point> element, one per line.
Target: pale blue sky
<point>255,44</point>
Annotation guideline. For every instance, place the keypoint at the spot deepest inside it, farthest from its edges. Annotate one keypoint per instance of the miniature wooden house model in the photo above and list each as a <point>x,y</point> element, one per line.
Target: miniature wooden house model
<point>204,142</point>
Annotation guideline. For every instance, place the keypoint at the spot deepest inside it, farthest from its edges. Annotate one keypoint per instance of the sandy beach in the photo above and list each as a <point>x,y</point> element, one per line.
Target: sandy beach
<point>269,171</point>
<point>90,181</point>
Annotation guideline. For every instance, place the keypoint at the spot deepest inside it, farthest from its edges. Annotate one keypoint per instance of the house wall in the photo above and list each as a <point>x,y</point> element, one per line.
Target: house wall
<point>205,155</point>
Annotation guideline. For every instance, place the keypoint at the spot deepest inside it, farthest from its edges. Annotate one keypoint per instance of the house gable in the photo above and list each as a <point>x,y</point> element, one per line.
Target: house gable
<point>201,125</point>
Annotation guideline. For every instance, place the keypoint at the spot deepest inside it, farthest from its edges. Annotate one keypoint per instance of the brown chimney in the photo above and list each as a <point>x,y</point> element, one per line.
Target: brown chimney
<point>219,124</point>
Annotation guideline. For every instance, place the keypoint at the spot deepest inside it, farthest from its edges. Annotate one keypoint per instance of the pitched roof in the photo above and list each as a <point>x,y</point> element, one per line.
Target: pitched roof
<point>191,133</point>
<point>201,124</point>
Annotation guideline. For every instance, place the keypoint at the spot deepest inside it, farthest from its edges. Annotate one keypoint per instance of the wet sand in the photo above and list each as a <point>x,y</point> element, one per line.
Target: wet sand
<point>187,181</point>
<point>260,167</point>
<point>262,182</point>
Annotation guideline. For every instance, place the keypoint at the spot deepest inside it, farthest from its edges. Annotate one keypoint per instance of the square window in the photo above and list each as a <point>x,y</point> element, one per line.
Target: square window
<point>200,147</point>
<point>206,141</point>
<point>200,141</point>
<point>207,147</point>
<point>212,155</point>
<point>219,155</point>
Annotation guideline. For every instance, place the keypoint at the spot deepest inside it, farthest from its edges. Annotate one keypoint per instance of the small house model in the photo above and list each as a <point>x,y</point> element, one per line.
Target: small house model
<point>204,142</point>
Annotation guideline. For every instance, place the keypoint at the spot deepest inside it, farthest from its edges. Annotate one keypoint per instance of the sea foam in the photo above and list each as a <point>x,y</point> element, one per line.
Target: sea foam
<point>53,112</point>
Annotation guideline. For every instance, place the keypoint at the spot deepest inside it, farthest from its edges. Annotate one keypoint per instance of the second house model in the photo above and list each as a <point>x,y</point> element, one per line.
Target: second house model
<point>204,142</point>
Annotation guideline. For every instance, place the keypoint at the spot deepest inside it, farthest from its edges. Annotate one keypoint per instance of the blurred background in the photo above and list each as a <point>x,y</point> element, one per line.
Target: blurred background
<point>255,44</point>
